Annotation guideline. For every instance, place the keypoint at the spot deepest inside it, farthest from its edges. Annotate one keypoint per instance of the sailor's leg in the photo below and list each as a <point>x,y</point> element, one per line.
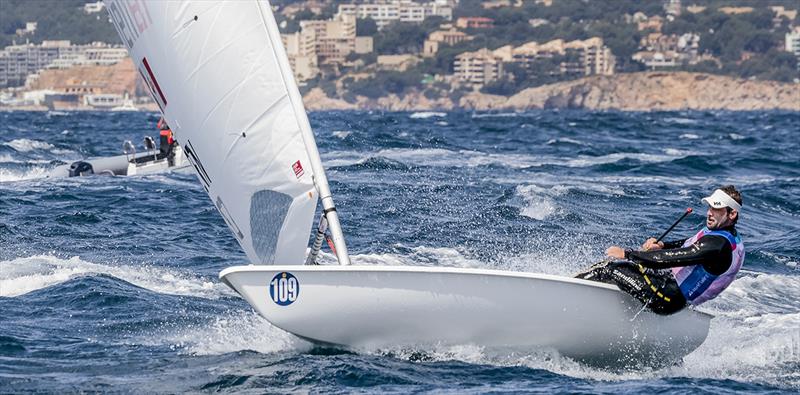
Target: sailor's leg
<point>599,272</point>
<point>654,288</point>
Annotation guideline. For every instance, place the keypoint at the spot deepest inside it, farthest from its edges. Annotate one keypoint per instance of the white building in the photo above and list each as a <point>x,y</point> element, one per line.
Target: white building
<point>793,44</point>
<point>91,8</point>
<point>386,12</point>
<point>478,68</point>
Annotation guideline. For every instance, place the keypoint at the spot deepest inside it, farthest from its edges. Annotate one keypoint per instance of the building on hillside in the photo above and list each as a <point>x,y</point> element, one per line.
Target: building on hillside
<point>582,57</point>
<point>653,23</point>
<point>695,9</point>
<point>793,44</point>
<point>447,37</point>
<point>91,8</point>
<point>323,42</point>
<point>735,10</point>
<point>657,60</point>
<point>301,50</point>
<point>673,7</point>
<point>397,62</point>
<point>30,28</point>
<point>478,68</point>
<point>665,51</point>
<point>335,39</point>
<point>475,22</point>
<point>782,13</point>
<point>386,12</point>
<point>85,85</point>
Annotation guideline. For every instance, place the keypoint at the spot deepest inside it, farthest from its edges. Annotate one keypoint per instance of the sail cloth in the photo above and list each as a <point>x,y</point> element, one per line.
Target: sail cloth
<point>213,69</point>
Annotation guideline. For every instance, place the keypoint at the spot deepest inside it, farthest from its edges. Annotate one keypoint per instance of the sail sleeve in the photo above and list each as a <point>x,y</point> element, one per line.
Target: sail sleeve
<point>212,69</point>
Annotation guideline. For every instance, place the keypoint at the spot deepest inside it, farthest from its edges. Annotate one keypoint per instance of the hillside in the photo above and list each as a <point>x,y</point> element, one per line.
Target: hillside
<point>628,92</point>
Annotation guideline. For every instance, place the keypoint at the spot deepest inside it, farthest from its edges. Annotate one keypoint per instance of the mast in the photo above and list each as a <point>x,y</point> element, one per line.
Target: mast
<point>320,179</point>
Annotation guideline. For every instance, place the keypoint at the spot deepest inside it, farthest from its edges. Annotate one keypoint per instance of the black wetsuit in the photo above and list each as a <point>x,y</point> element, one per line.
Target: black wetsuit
<point>646,275</point>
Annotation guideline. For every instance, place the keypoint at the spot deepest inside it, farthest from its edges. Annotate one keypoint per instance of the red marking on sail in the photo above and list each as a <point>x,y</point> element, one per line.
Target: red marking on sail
<point>155,82</point>
<point>298,169</point>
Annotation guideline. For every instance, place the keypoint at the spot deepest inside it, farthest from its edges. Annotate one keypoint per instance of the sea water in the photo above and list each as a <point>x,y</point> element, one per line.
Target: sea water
<point>110,283</point>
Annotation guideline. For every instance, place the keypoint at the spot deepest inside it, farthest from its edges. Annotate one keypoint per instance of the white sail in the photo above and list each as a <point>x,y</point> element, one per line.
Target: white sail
<point>215,70</point>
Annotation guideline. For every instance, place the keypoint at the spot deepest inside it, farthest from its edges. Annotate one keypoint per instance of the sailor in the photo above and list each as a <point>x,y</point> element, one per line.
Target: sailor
<point>167,141</point>
<point>667,277</point>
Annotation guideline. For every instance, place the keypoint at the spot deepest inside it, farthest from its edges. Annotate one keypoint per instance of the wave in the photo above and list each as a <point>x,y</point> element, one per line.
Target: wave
<point>567,140</point>
<point>233,332</point>
<point>7,175</point>
<point>25,145</point>
<point>341,134</point>
<point>427,114</point>
<point>440,157</point>
<point>495,115</point>
<point>23,275</point>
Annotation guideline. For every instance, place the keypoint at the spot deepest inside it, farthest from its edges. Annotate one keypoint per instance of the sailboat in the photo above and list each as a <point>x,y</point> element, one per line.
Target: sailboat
<point>222,79</point>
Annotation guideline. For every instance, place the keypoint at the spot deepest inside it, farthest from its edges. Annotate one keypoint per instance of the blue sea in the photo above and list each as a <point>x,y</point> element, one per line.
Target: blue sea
<point>109,284</point>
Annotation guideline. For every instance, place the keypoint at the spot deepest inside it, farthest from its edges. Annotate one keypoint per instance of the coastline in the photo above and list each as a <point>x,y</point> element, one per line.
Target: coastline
<point>645,91</point>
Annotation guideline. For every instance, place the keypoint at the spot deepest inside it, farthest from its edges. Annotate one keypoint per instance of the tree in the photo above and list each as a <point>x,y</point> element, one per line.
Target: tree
<point>366,27</point>
<point>400,37</point>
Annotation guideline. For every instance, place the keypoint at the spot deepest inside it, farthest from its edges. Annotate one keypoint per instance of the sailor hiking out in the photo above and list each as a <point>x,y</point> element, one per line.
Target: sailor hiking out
<point>666,277</point>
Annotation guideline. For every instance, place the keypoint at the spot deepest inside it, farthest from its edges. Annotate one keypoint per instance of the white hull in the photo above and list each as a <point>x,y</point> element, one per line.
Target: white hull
<point>159,165</point>
<point>398,306</point>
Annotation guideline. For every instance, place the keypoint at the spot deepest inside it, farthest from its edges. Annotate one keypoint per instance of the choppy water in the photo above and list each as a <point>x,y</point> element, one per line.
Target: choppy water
<point>110,283</point>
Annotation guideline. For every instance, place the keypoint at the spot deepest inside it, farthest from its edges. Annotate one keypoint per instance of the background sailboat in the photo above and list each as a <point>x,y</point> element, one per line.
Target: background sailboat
<point>220,75</point>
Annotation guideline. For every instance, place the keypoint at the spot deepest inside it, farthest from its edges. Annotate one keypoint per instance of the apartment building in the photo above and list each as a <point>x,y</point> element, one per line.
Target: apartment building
<point>475,22</point>
<point>302,53</point>
<point>17,62</point>
<point>335,39</point>
<point>448,37</point>
<point>386,12</point>
<point>583,57</point>
<point>478,68</point>
<point>793,44</point>
<point>323,42</point>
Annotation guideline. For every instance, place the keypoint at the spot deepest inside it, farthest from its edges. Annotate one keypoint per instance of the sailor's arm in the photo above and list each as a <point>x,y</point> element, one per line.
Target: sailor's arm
<point>712,251</point>
<point>651,244</point>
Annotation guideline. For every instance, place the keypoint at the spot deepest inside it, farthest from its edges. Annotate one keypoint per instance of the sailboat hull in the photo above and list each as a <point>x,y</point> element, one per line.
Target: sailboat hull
<point>398,306</point>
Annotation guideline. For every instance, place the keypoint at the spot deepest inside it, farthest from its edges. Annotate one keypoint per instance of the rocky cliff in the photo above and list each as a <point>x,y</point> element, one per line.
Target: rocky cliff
<point>628,92</point>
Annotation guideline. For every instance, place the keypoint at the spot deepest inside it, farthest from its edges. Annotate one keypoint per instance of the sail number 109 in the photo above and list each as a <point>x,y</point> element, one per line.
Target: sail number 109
<point>284,289</point>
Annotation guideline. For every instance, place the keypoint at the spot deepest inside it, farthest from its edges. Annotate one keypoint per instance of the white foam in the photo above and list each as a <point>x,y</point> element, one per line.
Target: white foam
<point>238,331</point>
<point>681,121</point>
<point>12,175</point>
<point>341,134</point>
<point>22,275</point>
<point>566,140</point>
<point>427,114</point>
<point>448,158</point>
<point>736,136</point>
<point>419,256</point>
<point>689,136</point>
<point>537,203</point>
<point>25,145</point>
<point>495,115</point>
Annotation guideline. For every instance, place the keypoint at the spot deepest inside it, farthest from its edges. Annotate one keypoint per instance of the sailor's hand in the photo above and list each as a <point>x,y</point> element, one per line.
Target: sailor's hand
<point>652,245</point>
<point>615,252</point>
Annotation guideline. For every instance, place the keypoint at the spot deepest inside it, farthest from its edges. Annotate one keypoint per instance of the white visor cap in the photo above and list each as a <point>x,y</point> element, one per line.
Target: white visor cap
<point>720,199</point>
